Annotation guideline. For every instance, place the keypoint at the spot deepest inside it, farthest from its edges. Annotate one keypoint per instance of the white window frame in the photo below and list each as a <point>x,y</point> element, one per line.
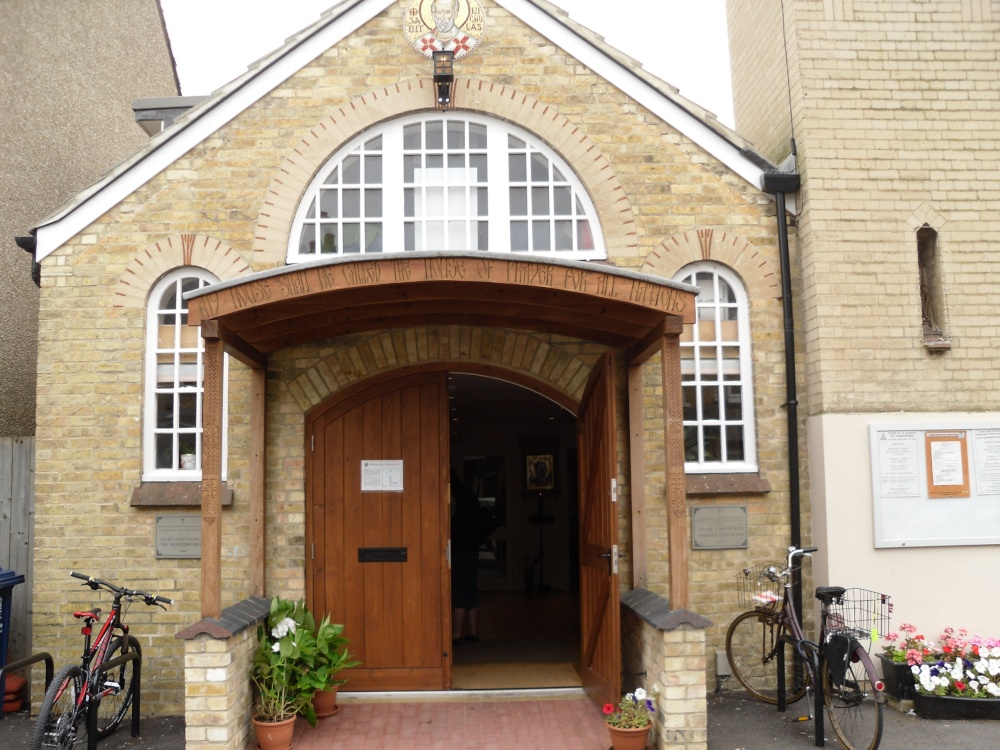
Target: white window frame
<point>499,185</point>
<point>744,381</point>
<point>151,384</point>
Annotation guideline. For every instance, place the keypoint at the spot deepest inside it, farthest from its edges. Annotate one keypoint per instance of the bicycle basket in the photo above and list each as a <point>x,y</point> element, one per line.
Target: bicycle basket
<point>859,614</point>
<point>756,590</point>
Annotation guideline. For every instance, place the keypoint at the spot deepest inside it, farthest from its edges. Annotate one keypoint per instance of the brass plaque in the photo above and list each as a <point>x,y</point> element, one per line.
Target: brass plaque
<point>719,527</point>
<point>178,536</point>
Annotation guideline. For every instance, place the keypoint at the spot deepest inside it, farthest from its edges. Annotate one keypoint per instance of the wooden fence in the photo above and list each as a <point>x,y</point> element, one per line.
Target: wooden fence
<point>17,517</point>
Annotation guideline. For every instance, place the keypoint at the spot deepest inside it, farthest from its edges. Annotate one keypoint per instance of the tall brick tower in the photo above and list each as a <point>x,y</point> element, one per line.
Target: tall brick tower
<point>895,111</point>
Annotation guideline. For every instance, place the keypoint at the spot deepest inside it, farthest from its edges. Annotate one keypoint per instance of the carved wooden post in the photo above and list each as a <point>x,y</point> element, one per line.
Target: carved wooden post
<point>637,461</point>
<point>211,478</point>
<point>676,486</point>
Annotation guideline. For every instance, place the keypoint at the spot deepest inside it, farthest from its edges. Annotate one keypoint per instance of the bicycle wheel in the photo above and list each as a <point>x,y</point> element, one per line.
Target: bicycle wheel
<point>116,688</point>
<point>61,721</point>
<point>752,645</point>
<point>855,713</point>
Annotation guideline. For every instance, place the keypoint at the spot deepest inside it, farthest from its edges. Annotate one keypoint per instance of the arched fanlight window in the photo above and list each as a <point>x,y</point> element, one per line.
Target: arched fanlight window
<point>445,182</point>
<point>716,374</point>
<point>174,382</point>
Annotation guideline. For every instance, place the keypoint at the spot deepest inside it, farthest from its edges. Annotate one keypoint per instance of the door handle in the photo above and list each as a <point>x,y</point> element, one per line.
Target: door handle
<point>612,556</point>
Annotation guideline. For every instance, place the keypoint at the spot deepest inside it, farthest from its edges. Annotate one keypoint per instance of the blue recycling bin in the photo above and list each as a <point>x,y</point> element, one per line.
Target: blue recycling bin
<point>8,580</point>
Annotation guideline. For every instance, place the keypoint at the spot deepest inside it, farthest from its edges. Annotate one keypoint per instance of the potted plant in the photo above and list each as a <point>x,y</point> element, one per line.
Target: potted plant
<point>326,657</point>
<point>960,679</point>
<point>629,724</point>
<point>276,673</point>
<point>901,651</point>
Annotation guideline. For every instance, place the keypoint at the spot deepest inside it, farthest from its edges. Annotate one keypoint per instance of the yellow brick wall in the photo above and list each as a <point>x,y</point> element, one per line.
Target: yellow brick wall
<point>91,340</point>
<point>897,121</point>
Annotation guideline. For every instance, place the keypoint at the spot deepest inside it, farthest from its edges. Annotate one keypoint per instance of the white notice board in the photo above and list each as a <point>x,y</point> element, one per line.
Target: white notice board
<point>936,485</point>
<point>381,476</point>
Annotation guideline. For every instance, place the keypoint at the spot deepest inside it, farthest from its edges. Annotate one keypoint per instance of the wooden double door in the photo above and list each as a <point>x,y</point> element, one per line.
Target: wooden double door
<point>377,559</point>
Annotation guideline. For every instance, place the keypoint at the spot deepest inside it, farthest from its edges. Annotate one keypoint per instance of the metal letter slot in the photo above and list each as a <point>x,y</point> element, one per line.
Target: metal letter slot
<point>381,554</point>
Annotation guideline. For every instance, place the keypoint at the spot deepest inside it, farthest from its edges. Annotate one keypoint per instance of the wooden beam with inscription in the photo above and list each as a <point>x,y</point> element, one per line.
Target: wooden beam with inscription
<point>676,484</point>
<point>285,307</point>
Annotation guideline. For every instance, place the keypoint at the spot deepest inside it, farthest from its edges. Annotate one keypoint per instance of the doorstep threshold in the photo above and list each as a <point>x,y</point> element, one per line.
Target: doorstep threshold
<point>459,695</point>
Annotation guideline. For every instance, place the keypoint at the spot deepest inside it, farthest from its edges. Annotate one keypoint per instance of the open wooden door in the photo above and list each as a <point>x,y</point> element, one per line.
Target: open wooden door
<point>599,600</point>
<point>376,558</point>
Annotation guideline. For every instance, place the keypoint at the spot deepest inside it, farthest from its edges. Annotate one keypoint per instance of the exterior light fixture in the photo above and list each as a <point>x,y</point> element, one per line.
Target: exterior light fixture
<point>444,78</point>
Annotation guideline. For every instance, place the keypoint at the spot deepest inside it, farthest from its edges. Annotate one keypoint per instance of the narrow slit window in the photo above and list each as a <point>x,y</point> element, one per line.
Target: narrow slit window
<point>931,288</point>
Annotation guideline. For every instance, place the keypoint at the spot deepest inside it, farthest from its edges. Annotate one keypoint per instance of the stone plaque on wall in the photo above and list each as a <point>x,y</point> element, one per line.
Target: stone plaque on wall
<point>178,536</point>
<point>719,527</point>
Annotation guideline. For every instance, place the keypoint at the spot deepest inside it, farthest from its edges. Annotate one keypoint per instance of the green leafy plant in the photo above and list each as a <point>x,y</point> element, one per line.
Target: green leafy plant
<point>322,659</point>
<point>277,664</point>
<point>295,659</point>
<point>634,711</point>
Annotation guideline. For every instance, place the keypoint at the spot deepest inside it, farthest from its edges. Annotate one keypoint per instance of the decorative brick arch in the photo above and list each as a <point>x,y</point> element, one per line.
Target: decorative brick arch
<point>535,357</point>
<point>472,95</point>
<point>722,246</point>
<point>178,250</point>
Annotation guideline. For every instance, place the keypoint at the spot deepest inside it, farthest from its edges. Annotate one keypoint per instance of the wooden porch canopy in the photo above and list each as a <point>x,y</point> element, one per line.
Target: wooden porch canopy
<point>252,316</point>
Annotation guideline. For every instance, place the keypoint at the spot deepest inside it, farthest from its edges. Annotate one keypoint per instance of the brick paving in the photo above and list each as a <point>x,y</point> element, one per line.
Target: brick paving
<point>540,724</point>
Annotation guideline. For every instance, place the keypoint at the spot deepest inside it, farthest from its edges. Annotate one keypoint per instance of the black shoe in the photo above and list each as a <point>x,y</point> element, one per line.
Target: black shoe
<point>456,641</point>
<point>472,638</point>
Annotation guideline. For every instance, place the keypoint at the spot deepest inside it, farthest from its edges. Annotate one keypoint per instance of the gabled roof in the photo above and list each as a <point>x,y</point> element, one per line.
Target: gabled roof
<point>336,24</point>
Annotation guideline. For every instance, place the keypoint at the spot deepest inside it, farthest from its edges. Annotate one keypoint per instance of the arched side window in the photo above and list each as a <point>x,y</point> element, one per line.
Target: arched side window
<point>716,374</point>
<point>445,182</point>
<point>174,382</point>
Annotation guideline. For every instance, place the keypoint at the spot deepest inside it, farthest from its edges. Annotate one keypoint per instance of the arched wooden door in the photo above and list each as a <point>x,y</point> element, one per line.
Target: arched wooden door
<point>599,599</point>
<point>376,557</point>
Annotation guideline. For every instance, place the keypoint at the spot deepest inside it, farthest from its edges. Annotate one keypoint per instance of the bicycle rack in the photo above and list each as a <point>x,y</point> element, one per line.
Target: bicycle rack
<point>27,662</point>
<point>818,706</point>
<point>136,681</point>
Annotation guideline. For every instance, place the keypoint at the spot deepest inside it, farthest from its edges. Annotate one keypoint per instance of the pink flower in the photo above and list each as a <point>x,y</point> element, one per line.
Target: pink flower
<point>907,628</point>
<point>608,709</point>
<point>914,657</point>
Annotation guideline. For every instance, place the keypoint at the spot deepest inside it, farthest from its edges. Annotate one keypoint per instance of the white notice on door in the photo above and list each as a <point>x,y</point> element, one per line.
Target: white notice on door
<point>382,476</point>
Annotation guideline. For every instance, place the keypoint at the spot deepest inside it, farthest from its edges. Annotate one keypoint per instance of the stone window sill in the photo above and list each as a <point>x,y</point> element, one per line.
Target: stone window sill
<point>174,494</point>
<point>726,484</point>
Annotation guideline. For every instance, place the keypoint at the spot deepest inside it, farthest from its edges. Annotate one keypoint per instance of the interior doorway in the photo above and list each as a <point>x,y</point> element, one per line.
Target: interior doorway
<point>515,451</point>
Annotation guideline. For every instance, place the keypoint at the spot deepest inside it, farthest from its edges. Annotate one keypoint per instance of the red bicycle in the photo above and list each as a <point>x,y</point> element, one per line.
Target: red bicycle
<point>105,681</point>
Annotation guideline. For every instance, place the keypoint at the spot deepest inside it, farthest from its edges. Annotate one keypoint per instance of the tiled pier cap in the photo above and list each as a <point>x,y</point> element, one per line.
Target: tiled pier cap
<point>655,610</point>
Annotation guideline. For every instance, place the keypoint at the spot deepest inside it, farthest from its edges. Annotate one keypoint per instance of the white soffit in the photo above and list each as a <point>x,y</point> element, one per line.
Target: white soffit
<point>273,70</point>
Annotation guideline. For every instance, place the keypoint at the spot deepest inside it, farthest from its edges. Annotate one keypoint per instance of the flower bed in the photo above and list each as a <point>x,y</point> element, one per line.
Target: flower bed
<point>957,666</point>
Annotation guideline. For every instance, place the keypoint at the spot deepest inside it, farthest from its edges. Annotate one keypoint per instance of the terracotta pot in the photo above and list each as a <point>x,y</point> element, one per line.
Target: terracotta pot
<point>325,703</point>
<point>629,739</point>
<point>274,735</point>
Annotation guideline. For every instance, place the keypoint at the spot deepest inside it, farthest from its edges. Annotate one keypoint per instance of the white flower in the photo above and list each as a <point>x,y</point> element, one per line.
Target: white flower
<point>993,690</point>
<point>656,688</point>
<point>276,647</point>
<point>995,652</point>
<point>974,685</point>
<point>915,669</point>
<point>283,628</point>
<point>640,694</point>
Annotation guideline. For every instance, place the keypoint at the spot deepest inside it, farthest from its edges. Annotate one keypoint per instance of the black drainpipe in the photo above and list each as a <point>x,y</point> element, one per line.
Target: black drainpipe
<point>780,183</point>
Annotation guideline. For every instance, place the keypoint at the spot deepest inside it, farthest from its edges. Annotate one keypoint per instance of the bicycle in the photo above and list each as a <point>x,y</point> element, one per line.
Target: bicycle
<point>95,684</point>
<point>848,684</point>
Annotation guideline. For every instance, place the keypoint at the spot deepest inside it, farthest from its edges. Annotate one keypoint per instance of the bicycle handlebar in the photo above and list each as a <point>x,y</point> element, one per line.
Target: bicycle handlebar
<point>96,583</point>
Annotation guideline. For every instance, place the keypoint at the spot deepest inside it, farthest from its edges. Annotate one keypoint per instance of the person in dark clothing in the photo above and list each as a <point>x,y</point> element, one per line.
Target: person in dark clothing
<point>467,532</point>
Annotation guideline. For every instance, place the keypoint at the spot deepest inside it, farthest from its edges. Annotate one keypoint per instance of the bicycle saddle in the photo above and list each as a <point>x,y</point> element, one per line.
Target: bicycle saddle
<point>827,594</point>
<point>93,614</point>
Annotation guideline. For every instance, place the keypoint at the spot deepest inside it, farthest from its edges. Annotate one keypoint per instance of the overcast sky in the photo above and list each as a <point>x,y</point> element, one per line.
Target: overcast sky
<point>681,41</point>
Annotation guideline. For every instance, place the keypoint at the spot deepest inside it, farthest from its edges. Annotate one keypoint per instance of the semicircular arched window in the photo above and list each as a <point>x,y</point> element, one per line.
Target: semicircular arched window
<point>445,182</point>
